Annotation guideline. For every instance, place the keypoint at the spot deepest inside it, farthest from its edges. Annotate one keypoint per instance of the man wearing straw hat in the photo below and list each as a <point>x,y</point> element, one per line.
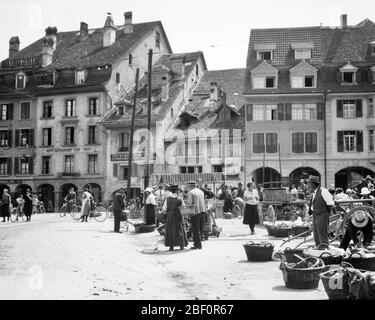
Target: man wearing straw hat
<point>359,221</point>
<point>196,198</point>
<point>321,206</point>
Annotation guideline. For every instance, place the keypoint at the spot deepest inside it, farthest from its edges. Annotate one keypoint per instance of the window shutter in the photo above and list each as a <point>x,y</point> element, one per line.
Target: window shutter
<point>358,108</point>
<point>320,111</point>
<point>17,140</point>
<point>370,76</point>
<point>10,136</point>
<point>115,170</point>
<point>288,111</point>
<point>49,137</point>
<point>16,165</point>
<point>31,137</point>
<point>339,109</point>
<point>249,110</point>
<point>340,141</point>
<point>10,111</point>
<point>31,165</point>
<point>97,135</point>
<point>9,160</point>
<point>338,76</point>
<point>358,76</point>
<point>280,111</point>
<point>294,142</point>
<point>359,136</point>
<point>364,75</point>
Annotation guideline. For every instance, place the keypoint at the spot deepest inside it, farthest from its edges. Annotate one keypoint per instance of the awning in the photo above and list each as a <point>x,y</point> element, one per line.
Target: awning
<point>265,46</point>
<point>302,45</point>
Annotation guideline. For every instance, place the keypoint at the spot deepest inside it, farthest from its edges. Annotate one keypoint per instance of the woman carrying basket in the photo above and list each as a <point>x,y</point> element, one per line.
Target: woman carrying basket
<point>175,234</point>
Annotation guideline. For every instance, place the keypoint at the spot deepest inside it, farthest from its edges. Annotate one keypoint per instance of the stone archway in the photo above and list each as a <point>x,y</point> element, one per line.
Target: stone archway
<point>46,192</point>
<point>268,177</point>
<point>21,189</point>
<point>96,191</point>
<point>302,173</point>
<point>64,190</point>
<point>350,177</point>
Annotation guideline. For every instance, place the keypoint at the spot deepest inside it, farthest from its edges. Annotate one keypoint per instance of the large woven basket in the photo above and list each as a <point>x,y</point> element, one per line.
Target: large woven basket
<point>258,252</point>
<point>336,288</point>
<point>300,278</point>
<point>282,232</point>
<point>269,229</point>
<point>360,262</point>
<point>144,228</point>
<point>290,254</point>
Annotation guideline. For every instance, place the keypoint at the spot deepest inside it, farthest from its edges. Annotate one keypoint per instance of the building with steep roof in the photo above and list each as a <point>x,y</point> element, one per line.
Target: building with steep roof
<point>70,79</point>
<point>309,104</point>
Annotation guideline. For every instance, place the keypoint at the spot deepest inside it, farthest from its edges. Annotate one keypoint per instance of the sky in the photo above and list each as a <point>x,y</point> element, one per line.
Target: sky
<point>219,28</point>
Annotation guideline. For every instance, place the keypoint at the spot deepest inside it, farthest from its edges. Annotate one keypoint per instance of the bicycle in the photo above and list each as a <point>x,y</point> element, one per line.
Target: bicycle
<point>99,213</point>
<point>16,214</point>
<point>39,208</point>
<point>73,211</point>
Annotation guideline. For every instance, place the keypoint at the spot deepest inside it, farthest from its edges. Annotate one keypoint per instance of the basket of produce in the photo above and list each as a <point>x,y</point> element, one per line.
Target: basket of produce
<point>143,228</point>
<point>304,274</point>
<point>282,231</point>
<point>361,260</point>
<point>258,251</point>
<point>329,256</point>
<point>269,228</point>
<point>188,210</point>
<point>292,255</point>
<point>335,283</point>
<point>301,231</point>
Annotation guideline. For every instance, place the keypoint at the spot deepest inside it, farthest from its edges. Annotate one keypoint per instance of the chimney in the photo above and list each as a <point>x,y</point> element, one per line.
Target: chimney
<point>109,32</point>
<point>51,34</point>
<point>344,21</point>
<point>47,51</point>
<point>178,66</point>
<point>213,92</point>
<point>14,46</point>
<point>164,89</point>
<point>84,30</point>
<point>128,26</point>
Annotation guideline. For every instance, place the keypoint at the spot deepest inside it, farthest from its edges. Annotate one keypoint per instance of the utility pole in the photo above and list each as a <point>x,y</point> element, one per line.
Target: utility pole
<point>148,135</point>
<point>223,135</point>
<point>130,163</point>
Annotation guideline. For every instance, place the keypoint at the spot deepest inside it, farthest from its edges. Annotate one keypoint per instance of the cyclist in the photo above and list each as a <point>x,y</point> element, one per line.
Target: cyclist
<point>71,200</point>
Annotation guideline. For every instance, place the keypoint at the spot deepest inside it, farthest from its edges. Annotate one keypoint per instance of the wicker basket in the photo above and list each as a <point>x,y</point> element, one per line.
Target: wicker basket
<point>188,210</point>
<point>269,229</point>
<point>258,252</point>
<point>301,231</point>
<point>336,292</point>
<point>330,259</point>
<point>301,278</point>
<point>144,228</point>
<point>360,262</point>
<point>290,255</point>
<point>282,232</point>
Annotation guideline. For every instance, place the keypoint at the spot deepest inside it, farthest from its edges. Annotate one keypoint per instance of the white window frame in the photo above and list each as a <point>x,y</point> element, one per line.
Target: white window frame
<point>2,141</point>
<point>353,143</point>
<point>258,112</point>
<point>307,111</point>
<point>297,112</point>
<point>354,81</point>
<point>71,164</point>
<point>80,76</point>
<point>4,166</point>
<point>302,54</point>
<point>259,82</point>
<point>259,55</point>
<point>24,165</point>
<point>270,108</point>
<point>70,109</point>
<point>370,108</point>
<point>4,112</point>
<point>18,75</point>
<point>371,139</point>
<point>348,109</point>
<point>92,165</point>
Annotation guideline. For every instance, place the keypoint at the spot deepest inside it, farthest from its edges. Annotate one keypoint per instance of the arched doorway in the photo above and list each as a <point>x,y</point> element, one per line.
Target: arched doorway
<point>64,189</point>
<point>350,177</point>
<point>96,191</point>
<point>21,189</point>
<point>46,195</point>
<point>301,173</point>
<point>268,177</point>
<point>2,187</point>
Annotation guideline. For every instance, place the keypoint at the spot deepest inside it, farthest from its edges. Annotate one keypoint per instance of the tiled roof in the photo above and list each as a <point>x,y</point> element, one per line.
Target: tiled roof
<point>72,52</point>
<point>332,49</point>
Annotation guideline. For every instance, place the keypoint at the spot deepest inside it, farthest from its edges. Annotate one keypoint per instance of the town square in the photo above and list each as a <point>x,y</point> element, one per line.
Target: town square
<point>167,152</point>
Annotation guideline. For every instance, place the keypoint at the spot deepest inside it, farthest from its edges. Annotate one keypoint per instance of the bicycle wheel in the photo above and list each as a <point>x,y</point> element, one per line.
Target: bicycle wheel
<point>100,213</point>
<point>75,213</point>
<point>14,215</point>
<point>42,209</point>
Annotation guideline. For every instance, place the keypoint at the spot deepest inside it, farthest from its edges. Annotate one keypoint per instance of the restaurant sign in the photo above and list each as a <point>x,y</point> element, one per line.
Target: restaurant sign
<point>120,156</point>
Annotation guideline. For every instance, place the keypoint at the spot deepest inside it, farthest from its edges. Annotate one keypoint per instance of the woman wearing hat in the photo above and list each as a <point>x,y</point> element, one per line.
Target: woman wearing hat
<point>150,205</point>
<point>366,193</point>
<point>28,206</point>
<point>251,215</point>
<point>175,234</point>
<point>359,221</point>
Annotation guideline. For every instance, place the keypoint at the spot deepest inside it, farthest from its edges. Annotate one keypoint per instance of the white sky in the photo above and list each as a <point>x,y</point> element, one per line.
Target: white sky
<point>219,28</point>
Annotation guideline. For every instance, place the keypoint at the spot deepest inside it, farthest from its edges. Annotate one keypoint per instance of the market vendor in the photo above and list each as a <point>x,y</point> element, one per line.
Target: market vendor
<point>321,206</point>
<point>359,221</point>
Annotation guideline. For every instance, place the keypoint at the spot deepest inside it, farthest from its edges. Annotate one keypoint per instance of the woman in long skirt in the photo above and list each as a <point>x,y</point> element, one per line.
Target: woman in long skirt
<point>5,205</point>
<point>150,206</point>
<point>86,204</point>
<point>175,234</point>
<point>28,207</point>
<point>251,215</point>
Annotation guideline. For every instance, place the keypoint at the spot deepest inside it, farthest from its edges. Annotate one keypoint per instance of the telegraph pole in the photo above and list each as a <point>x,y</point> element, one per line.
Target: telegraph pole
<point>130,164</point>
<point>148,135</point>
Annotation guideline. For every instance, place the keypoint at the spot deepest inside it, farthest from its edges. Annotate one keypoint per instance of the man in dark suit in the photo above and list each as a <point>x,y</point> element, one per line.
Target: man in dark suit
<point>321,206</point>
<point>118,207</point>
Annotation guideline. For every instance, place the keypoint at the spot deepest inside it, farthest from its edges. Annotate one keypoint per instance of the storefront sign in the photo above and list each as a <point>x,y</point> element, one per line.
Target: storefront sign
<point>11,181</point>
<point>120,156</point>
<point>71,149</point>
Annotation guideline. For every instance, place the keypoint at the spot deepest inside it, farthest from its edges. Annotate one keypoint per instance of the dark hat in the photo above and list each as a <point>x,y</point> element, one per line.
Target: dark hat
<point>174,188</point>
<point>312,178</point>
<point>191,183</point>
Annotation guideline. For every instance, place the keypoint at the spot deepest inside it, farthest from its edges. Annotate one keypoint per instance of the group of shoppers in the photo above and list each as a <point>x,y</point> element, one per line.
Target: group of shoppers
<point>24,205</point>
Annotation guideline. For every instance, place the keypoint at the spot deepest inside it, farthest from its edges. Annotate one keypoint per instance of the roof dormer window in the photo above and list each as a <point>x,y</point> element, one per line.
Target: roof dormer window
<point>303,75</point>
<point>20,80</point>
<point>348,74</point>
<point>372,49</point>
<point>264,76</point>
<point>80,76</point>
<point>302,50</point>
<point>265,51</point>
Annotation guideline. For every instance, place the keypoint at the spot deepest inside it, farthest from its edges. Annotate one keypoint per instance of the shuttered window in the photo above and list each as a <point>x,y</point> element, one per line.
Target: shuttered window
<point>298,142</point>
<point>258,142</point>
<point>311,143</point>
<point>271,142</point>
